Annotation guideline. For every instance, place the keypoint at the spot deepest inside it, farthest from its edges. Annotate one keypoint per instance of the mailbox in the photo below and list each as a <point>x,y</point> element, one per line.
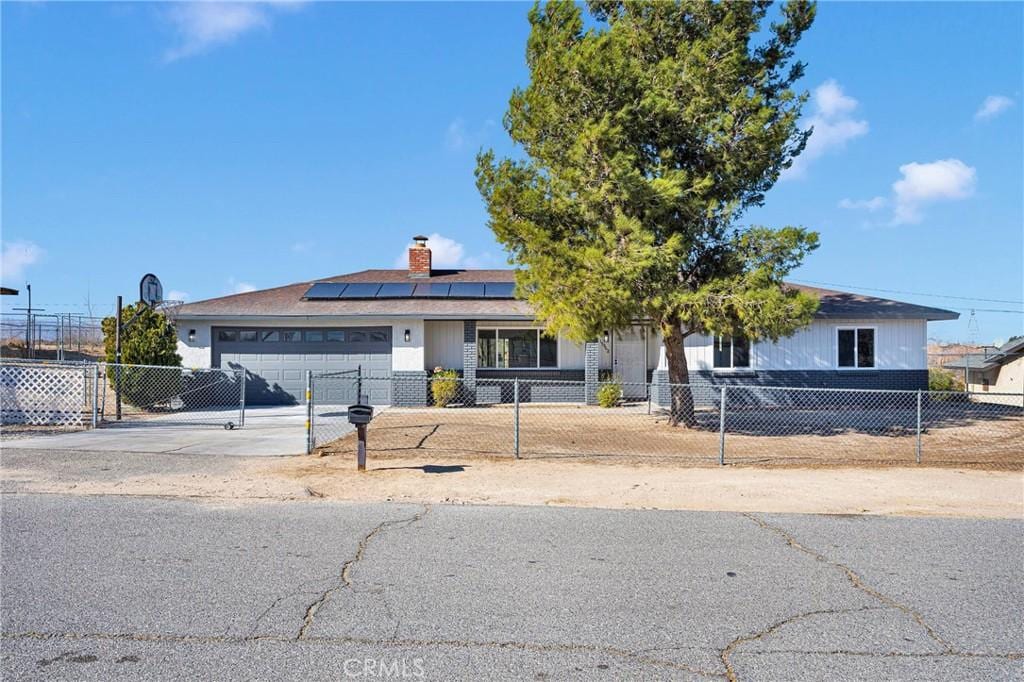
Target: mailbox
<point>360,414</point>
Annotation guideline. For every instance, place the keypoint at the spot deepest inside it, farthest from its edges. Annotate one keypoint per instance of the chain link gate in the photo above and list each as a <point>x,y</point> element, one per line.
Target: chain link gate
<point>73,395</point>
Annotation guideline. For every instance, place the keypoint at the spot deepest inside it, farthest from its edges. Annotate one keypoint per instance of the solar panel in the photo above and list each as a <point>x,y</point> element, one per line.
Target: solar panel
<point>432,290</point>
<point>361,290</point>
<point>324,290</point>
<point>395,290</point>
<point>499,289</point>
<point>467,290</point>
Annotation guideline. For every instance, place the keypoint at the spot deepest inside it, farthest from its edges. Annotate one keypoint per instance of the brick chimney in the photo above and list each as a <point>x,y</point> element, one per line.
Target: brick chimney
<point>419,257</point>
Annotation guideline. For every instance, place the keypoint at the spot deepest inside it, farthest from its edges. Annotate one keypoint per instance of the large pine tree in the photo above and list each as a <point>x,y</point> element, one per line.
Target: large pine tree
<point>648,130</point>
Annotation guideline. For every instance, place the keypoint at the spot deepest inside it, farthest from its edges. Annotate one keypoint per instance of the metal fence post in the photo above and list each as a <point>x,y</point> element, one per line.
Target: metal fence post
<point>309,412</point>
<point>918,426</point>
<point>721,429</point>
<point>515,420</point>
<point>95,394</point>
<point>241,412</point>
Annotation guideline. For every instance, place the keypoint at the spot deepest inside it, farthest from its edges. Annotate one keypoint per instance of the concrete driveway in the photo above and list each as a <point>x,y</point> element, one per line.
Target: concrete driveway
<point>268,431</point>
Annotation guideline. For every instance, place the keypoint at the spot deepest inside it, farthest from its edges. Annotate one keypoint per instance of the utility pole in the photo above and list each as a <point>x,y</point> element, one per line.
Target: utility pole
<point>28,321</point>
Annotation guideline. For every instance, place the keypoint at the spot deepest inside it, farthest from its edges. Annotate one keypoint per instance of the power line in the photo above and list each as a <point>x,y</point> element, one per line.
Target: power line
<point>915,293</point>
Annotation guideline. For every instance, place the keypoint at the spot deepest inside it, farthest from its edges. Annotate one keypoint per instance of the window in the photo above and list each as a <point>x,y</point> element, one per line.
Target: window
<point>271,337</point>
<point>336,335</point>
<point>314,336</point>
<point>379,337</point>
<point>856,347</point>
<point>515,349</point>
<point>732,352</point>
<point>248,335</point>
<point>357,337</point>
<point>291,336</point>
<point>227,335</point>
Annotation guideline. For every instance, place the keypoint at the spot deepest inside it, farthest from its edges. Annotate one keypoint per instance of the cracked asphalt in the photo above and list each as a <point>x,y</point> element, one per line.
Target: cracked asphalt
<point>102,587</point>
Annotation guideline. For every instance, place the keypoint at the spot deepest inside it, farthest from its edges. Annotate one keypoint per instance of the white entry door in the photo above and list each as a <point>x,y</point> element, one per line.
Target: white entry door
<point>629,363</point>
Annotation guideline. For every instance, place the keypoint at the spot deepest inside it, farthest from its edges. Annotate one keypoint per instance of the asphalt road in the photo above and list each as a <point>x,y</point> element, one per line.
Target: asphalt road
<point>109,587</point>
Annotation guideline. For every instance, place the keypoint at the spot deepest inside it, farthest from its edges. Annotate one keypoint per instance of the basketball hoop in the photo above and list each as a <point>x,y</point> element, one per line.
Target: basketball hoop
<point>151,291</point>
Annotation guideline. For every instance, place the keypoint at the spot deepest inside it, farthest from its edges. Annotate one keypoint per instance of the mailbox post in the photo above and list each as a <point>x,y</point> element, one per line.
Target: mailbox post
<point>359,416</point>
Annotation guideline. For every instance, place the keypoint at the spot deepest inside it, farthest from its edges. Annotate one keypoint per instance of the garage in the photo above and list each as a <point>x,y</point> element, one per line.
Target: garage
<point>277,359</point>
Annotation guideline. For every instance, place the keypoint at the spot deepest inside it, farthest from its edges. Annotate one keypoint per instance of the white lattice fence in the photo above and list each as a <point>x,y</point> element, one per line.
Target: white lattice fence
<point>44,395</point>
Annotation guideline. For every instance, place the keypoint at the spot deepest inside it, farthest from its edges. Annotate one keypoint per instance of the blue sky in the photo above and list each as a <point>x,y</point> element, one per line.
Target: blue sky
<point>226,147</point>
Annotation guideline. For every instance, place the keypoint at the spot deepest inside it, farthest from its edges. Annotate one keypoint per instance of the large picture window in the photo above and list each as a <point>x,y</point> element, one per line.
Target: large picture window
<point>856,347</point>
<point>515,349</point>
<point>732,352</point>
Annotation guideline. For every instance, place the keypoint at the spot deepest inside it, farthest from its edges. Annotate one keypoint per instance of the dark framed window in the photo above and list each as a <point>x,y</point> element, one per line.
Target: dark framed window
<point>357,337</point>
<point>227,335</point>
<point>335,335</point>
<point>731,352</point>
<point>291,336</point>
<point>271,336</point>
<point>248,335</point>
<point>314,335</point>
<point>515,349</point>
<point>855,347</point>
<point>379,337</point>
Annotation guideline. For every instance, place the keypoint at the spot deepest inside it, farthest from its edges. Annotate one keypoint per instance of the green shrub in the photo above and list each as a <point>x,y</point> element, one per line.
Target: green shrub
<point>940,379</point>
<point>444,386</point>
<point>608,394</point>
<point>147,338</point>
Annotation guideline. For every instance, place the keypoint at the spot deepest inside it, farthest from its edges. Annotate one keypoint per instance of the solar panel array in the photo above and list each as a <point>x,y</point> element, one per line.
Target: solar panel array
<point>333,290</point>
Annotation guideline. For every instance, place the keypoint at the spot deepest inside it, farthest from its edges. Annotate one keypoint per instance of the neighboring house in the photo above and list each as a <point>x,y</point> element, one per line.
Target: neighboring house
<point>997,372</point>
<point>401,324</point>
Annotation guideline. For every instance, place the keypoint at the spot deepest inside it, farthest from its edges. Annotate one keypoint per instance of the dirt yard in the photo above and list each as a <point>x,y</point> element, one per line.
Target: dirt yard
<point>438,478</point>
<point>805,439</point>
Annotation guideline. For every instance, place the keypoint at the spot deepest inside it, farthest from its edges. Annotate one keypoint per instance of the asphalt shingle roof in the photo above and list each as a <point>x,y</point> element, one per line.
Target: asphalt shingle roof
<point>286,301</point>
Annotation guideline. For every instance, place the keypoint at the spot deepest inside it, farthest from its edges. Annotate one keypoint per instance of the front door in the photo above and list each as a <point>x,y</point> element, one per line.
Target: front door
<point>629,363</point>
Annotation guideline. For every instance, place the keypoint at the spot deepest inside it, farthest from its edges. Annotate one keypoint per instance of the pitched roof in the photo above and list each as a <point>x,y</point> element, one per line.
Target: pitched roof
<point>287,301</point>
<point>1009,351</point>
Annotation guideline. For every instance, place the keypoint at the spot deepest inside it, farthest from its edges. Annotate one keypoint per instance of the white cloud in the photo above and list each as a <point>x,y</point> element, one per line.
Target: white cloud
<point>992,107</point>
<point>455,135</point>
<point>238,287</point>
<point>204,25</point>
<point>832,123</point>
<point>925,183</point>
<point>16,257</point>
<point>873,204</point>
<point>175,295</point>
<point>447,253</point>
<point>458,136</point>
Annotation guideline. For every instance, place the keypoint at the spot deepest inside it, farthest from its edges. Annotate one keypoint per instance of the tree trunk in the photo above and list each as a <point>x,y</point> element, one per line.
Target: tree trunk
<point>678,373</point>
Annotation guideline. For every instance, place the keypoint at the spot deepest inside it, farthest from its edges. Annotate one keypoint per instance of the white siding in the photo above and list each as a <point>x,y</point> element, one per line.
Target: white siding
<point>570,355</point>
<point>899,344</point>
<point>444,344</point>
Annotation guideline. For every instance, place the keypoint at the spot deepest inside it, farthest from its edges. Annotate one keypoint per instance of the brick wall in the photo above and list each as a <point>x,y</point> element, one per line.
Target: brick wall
<point>409,388</point>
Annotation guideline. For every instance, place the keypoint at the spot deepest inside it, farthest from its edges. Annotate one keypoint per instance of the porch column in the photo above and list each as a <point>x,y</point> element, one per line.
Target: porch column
<point>591,362</point>
<point>469,360</point>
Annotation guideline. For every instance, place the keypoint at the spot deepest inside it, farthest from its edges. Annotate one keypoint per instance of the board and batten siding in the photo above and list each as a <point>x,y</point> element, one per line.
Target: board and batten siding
<point>443,340</point>
<point>899,344</point>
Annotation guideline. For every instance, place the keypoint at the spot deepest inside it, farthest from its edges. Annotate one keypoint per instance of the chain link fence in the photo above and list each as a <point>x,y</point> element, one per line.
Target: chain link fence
<point>698,423</point>
<point>69,395</point>
<point>58,336</point>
